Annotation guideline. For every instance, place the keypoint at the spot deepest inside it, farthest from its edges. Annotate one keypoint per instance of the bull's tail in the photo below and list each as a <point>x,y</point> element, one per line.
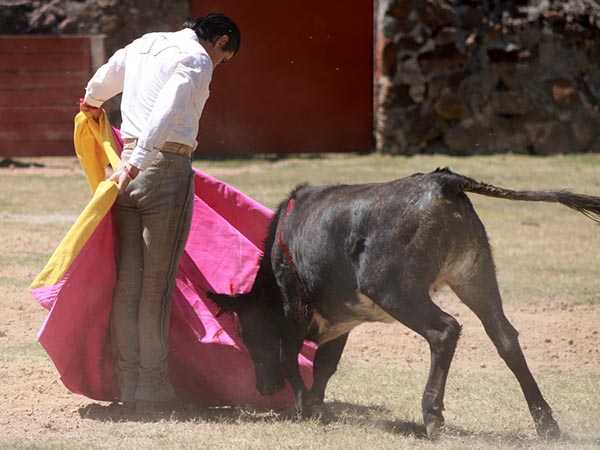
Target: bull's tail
<point>586,204</point>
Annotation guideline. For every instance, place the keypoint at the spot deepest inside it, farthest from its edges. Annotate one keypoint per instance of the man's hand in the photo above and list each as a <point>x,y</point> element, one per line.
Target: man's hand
<point>123,176</point>
<point>96,112</point>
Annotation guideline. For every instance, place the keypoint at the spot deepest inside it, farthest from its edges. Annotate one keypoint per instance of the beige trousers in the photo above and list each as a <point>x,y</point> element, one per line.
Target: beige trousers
<point>154,216</point>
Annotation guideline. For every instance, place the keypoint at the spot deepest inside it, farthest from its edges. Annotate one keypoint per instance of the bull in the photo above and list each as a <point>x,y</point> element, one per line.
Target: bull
<point>337,256</point>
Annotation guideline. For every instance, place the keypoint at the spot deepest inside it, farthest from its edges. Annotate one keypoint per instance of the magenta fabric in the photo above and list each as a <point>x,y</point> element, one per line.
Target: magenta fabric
<point>118,139</point>
<point>208,363</point>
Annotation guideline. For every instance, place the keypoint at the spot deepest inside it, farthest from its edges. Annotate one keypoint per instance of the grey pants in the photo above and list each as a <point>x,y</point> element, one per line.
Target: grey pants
<point>154,216</point>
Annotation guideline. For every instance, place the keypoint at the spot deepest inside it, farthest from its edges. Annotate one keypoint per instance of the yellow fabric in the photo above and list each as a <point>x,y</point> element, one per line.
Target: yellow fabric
<point>95,147</point>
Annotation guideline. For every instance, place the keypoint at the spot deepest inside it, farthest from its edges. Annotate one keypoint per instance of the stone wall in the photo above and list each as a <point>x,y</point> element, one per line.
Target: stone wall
<point>120,20</point>
<point>453,76</point>
<point>465,77</point>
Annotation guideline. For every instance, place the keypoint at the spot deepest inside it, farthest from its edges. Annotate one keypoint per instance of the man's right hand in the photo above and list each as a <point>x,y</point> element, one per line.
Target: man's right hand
<point>123,176</point>
<point>96,112</point>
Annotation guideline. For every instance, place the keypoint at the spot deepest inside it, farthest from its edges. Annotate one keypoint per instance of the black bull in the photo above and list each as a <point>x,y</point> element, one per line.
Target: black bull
<point>337,256</point>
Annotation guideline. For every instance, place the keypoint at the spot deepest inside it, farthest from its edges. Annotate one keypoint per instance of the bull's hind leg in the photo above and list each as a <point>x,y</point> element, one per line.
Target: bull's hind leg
<point>417,311</point>
<point>479,291</point>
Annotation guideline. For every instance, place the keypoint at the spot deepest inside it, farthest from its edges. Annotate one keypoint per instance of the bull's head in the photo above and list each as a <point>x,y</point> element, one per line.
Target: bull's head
<point>260,332</point>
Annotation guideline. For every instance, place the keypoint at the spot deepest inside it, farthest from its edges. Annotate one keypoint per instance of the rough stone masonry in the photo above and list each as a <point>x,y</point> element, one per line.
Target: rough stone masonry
<point>120,20</point>
<point>476,77</point>
<point>453,76</point>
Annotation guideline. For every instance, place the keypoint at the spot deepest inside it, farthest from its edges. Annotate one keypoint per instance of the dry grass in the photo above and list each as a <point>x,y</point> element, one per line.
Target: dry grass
<point>546,255</point>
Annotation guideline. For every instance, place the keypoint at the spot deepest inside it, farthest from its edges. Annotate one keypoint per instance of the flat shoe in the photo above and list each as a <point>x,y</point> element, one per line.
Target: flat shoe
<point>149,407</point>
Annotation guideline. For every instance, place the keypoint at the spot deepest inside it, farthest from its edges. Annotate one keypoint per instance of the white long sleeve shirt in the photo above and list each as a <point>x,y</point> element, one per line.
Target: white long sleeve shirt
<point>164,78</point>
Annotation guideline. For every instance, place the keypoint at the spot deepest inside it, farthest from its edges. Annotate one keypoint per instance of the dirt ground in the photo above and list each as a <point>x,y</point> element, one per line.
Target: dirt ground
<point>555,338</point>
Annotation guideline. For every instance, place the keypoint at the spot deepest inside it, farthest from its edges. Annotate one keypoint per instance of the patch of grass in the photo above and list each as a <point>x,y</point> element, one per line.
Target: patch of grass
<point>543,253</point>
<point>10,444</point>
<point>371,407</point>
<point>23,282</point>
<point>22,352</point>
<point>32,194</point>
<point>24,258</point>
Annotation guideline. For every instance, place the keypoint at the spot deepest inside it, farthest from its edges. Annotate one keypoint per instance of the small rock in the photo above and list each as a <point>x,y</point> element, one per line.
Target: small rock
<point>451,107</point>
<point>563,93</point>
<point>554,17</point>
<point>68,25</point>
<point>441,58</point>
<point>445,36</point>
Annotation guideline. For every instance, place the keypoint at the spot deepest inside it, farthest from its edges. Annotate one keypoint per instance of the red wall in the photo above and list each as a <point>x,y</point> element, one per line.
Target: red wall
<point>41,79</point>
<point>302,81</point>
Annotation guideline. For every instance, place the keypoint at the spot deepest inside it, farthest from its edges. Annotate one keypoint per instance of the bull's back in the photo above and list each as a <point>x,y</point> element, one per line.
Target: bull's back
<point>334,229</point>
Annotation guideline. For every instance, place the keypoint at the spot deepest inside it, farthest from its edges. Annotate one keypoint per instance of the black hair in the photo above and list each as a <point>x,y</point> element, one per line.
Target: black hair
<point>214,25</point>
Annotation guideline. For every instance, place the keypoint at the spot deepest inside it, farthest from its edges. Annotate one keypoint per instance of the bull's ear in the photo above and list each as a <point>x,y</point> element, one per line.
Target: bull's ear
<point>227,303</point>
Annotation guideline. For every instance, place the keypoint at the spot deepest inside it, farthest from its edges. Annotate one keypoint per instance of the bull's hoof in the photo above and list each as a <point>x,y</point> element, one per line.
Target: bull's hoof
<point>433,429</point>
<point>322,413</point>
<point>314,411</point>
<point>547,428</point>
<point>309,406</point>
<point>545,425</point>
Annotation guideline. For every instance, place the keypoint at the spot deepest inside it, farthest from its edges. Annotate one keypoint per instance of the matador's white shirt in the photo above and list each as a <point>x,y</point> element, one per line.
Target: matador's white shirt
<point>164,78</point>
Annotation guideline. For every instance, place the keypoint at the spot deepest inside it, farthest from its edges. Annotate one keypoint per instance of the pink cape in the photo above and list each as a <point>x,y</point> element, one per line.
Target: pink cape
<point>208,363</point>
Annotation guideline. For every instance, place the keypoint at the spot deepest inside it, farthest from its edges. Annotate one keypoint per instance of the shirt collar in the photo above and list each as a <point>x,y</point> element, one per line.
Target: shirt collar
<point>189,33</point>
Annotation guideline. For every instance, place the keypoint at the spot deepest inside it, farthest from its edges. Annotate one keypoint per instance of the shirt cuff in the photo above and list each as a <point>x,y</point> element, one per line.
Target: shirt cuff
<point>92,101</point>
<point>140,158</point>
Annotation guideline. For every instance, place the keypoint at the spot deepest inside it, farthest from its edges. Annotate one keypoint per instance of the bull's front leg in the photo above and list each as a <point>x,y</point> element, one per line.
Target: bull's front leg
<point>295,328</point>
<point>326,361</point>
<point>291,346</point>
<point>325,365</point>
